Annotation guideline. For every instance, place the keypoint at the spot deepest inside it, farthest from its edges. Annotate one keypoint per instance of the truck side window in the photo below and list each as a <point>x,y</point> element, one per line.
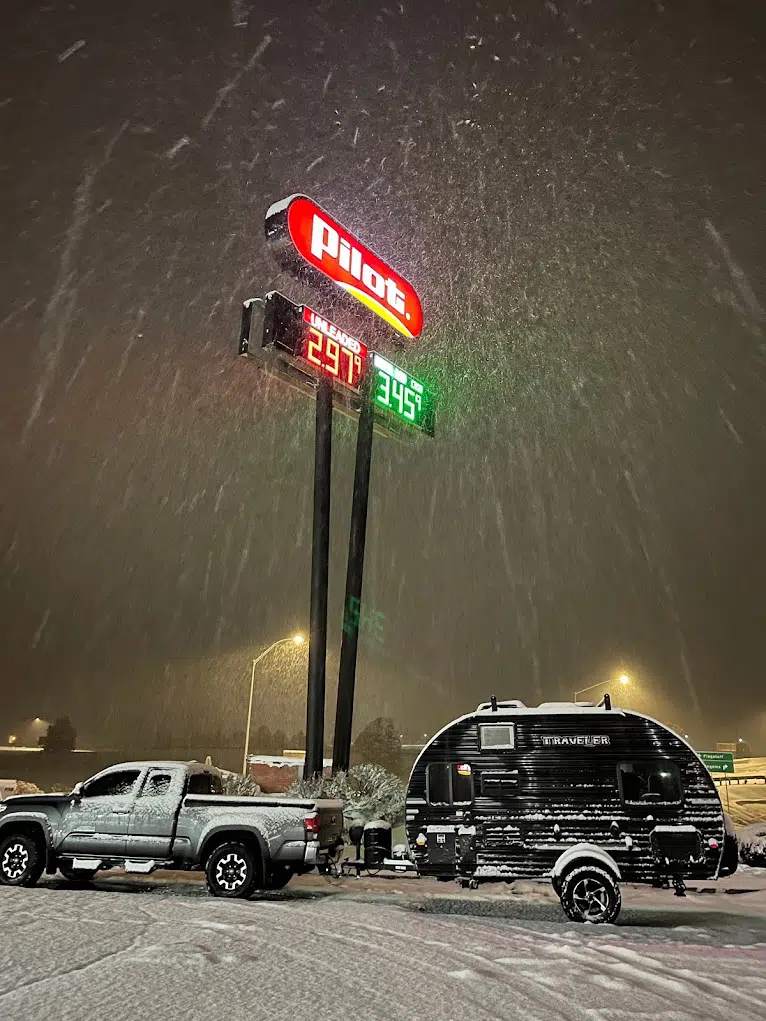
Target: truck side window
<point>449,783</point>
<point>156,785</point>
<point>650,783</point>
<point>112,785</point>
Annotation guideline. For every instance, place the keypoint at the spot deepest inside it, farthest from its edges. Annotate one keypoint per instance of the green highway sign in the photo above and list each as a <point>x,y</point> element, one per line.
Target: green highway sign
<point>718,762</point>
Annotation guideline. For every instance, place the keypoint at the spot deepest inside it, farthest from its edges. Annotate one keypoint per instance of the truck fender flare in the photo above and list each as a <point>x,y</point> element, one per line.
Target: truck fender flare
<point>585,852</point>
<point>233,828</point>
<point>36,818</point>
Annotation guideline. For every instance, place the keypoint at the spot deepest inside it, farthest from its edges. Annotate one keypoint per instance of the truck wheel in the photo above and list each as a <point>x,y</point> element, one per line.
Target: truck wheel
<point>21,860</point>
<point>73,875</point>
<point>590,894</point>
<point>231,871</point>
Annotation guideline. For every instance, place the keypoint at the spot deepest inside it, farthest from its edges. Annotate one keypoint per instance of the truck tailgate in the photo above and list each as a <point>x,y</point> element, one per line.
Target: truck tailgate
<point>330,821</point>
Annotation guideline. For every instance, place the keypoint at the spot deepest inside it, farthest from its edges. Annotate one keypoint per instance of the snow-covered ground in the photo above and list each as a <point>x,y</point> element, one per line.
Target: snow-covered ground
<point>746,803</point>
<point>135,950</point>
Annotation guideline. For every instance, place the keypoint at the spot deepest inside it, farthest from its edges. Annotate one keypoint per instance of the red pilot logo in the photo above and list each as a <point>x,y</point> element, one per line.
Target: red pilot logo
<point>328,247</point>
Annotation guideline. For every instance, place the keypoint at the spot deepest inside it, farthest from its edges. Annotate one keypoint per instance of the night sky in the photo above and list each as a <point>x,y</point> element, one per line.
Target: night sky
<point>576,190</point>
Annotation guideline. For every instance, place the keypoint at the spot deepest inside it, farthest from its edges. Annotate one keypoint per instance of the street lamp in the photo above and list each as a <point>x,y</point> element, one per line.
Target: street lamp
<point>296,640</point>
<point>623,679</point>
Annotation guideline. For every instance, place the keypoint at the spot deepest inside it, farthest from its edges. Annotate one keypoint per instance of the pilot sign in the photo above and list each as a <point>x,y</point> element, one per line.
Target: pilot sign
<point>304,334</point>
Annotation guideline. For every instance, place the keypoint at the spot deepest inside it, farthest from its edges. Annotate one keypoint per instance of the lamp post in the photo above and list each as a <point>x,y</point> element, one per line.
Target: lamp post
<point>623,679</point>
<point>296,640</point>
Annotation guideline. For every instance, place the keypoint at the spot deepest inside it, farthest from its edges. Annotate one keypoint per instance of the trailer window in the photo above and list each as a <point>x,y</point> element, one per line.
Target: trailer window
<point>449,783</point>
<point>496,736</point>
<point>650,783</point>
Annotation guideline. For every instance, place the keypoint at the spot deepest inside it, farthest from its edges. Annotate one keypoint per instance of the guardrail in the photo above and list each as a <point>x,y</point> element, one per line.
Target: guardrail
<point>740,779</point>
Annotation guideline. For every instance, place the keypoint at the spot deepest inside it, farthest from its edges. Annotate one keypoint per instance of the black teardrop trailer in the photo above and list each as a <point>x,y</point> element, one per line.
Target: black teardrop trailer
<point>585,795</point>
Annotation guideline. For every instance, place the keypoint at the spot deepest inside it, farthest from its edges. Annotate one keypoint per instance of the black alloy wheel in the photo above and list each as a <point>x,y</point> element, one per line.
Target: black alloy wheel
<point>590,894</point>
<point>232,871</point>
<point>21,860</point>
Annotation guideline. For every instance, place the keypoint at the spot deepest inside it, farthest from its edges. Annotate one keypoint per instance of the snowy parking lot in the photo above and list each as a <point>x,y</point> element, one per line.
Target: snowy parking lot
<point>136,949</point>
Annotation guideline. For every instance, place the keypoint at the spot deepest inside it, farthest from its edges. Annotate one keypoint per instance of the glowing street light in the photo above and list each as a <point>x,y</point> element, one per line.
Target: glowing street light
<point>296,639</point>
<point>623,679</point>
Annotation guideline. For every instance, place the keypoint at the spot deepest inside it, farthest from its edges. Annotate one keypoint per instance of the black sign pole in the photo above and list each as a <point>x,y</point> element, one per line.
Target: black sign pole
<point>320,552</point>
<point>344,710</point>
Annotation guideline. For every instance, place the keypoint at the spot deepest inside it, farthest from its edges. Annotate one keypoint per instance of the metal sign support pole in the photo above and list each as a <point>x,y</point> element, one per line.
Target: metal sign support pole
<point>344,711</point>
<point>320,551</point>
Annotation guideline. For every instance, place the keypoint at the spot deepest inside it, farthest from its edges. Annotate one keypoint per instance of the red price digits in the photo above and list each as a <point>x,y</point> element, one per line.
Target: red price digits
<point>328,354</point>
<point>314,347</point>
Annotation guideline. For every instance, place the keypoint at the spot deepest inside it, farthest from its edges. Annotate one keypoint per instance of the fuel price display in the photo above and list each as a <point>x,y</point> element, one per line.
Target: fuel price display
<point>304,334</point>
<point>400,393</point>
<point>332,351</point>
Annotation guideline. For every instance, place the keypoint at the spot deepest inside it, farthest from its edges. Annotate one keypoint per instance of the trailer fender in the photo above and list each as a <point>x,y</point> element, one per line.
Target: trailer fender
<point>578,853</point>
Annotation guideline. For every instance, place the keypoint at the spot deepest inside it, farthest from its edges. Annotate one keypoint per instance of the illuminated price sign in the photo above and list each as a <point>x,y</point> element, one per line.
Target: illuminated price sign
<point>400,393</point>
<point>330,349</point>
<point>312,339</point>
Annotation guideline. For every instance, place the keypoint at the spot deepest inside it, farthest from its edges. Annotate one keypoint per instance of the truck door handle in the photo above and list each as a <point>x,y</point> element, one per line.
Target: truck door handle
<point>121,811</point>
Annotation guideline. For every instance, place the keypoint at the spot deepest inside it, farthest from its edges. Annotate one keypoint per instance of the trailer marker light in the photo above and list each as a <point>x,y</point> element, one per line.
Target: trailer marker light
<point>464,769</point>
<point>421,840</point>
<point>713,844</point>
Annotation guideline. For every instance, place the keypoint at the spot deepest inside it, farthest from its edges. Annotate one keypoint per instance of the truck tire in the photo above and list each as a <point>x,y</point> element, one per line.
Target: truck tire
<point>278,877</point>
<point>73,875</point>
<point>22,860</point>
<point>232,871</point>
<point>590,894</point>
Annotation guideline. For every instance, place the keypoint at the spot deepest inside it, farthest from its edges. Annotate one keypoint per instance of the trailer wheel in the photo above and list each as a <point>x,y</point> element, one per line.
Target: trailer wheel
<point>22,860</point>
<point>231,871</point>
<point>590,894</point>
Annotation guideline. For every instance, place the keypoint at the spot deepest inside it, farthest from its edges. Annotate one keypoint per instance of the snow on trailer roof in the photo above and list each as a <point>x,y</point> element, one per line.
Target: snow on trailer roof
<point>517,707</point>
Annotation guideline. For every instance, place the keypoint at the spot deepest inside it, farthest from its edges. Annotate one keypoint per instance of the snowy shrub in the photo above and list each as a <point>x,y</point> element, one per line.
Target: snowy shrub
<point>367,791</point>
<point>752,844</point>
<point>238,786</point>
<point>24,787</point>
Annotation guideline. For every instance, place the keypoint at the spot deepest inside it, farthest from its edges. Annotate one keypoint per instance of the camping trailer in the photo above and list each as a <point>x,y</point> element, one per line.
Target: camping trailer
<point>583,794</point>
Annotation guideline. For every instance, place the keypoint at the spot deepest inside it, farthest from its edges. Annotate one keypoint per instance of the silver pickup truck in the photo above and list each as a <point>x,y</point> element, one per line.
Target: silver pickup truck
<point>143,816</point>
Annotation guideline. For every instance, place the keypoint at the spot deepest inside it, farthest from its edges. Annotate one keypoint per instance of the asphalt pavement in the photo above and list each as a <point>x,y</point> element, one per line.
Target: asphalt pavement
<point>133,950</point>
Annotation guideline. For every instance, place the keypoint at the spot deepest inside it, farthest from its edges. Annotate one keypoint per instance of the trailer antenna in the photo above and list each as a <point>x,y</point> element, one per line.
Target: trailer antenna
<point>493,703</point>
<point>606,702</point>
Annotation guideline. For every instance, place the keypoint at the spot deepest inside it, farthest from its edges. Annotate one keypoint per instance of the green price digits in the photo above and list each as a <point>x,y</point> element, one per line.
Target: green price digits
<point>399,392</point>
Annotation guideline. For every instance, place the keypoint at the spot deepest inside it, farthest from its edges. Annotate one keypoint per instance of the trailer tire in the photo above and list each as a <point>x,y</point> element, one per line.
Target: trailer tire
<point>232,871</point>
<point>590,894</point>
<point>22,860</point>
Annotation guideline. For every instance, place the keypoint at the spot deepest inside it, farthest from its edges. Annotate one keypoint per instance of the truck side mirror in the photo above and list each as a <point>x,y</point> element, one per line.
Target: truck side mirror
<point>76,792</point>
